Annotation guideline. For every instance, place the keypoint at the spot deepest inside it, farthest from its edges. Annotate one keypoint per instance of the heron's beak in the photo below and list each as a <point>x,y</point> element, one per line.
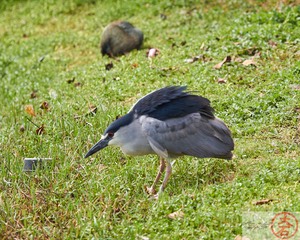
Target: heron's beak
<point>98,146</point>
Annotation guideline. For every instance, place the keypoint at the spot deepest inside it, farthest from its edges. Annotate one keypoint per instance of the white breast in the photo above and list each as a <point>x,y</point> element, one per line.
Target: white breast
<point>132,140</point>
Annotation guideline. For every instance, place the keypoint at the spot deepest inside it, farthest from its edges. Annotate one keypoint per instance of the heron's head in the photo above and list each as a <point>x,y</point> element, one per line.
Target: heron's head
<point>111,133</point>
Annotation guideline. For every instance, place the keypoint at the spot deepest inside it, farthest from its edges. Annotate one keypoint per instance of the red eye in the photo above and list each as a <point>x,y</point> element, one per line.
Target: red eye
<point>110,134</point>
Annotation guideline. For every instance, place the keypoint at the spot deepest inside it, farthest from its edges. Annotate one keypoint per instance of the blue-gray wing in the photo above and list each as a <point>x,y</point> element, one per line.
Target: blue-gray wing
<point>192,134</point>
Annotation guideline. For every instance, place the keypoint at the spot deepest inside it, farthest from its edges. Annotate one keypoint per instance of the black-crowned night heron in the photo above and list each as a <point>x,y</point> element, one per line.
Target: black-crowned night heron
<point>169,122</point>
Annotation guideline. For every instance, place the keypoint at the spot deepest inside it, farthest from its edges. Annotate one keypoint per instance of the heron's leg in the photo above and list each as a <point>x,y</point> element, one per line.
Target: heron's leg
<point>162,167</point>
<point>167,176</point>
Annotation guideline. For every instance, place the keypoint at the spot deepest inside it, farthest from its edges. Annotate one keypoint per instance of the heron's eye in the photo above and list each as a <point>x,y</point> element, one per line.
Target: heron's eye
<point>110,134</point>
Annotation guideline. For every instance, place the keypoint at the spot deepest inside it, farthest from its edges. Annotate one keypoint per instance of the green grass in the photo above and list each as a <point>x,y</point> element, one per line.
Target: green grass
<point>43,44</point>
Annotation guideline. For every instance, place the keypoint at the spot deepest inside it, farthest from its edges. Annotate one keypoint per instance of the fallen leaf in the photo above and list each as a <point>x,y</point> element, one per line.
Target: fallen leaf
<point>220,64</point>
<point>237,59</point>
<point>221,80</point>
<point>194,59</point>
<point>135,65</point>
<point>45,106</point>
<point>272,43</point>
<point>33,94</point>
<point>249,62</point>
<point>238,237</point>
<point>40,130</point>
<point>109,66</point>
<point>29,109</point>
<point>263,201</point>
<point>93,110</point>
<point>77,84</point>
<point>152,52</point>
<point>176,215</point>
<point>252,51</point>
<point>71,80</point>
<point>257,55</point>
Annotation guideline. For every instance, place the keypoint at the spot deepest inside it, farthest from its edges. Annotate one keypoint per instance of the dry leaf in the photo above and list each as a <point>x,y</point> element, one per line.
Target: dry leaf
<point>135,65</point>
<point>152,52</point>
<point>93,110</point>
<point>221,80</point>
<point>219,65</point>
<point>272,43</point>
<point>29,109</point>
<point>176,215</point>
<point>33,94</point>
<point>77,84</point>
<point>40,130</point>
<point>252,51</point>
<point>249,62</point>
<point>237,59</point>
<point>194,59</point>
<point>238,237</point>
<point>263,201</point>
<point>109,66</point>
<point>44,105</point>
<point>257,55</point>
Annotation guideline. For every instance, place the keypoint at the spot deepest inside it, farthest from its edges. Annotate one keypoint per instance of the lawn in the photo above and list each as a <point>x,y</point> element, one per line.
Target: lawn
<point>53,76</point>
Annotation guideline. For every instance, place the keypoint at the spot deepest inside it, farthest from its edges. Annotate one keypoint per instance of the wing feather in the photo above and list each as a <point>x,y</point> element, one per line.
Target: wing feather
<point>193,135</point>
<point>172,102</point>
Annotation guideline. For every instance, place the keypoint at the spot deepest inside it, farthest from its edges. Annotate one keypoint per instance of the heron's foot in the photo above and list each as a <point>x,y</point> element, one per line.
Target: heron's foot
<point>150,190</point>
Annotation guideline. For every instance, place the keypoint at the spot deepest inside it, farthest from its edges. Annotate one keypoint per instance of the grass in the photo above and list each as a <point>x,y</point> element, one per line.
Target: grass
<point>46,43</point>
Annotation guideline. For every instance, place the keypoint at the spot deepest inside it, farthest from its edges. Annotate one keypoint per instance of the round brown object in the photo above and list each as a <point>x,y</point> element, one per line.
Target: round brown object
<point>119,38</point>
